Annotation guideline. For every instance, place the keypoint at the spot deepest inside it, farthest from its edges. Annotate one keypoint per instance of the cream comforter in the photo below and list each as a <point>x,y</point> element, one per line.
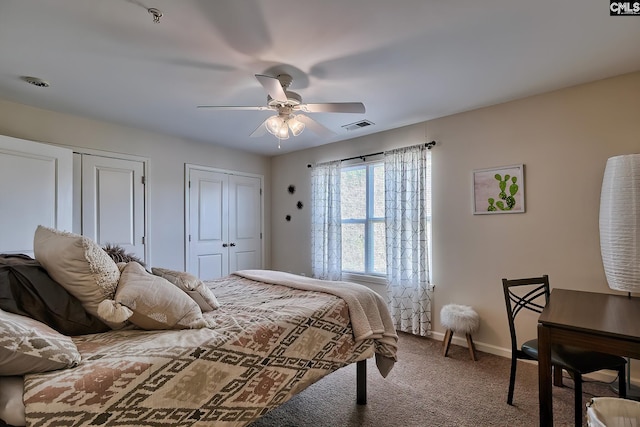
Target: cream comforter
<point>267,344</point>
<point>368,312</point>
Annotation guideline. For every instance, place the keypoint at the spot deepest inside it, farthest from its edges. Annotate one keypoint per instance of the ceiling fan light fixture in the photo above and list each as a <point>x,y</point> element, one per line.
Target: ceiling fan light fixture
<point>295,125</point>
<point>283,132</point>
<point>274,124</point>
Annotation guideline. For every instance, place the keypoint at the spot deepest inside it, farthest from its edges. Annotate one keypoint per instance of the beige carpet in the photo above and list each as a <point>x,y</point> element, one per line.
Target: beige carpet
<point>426,389</point>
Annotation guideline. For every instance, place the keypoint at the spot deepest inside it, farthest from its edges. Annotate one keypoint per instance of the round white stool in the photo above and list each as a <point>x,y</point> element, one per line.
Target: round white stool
<point>460,319</point>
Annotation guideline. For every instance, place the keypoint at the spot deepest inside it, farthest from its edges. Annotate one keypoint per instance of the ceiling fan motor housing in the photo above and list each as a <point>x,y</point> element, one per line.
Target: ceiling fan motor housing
<point>292,99</point>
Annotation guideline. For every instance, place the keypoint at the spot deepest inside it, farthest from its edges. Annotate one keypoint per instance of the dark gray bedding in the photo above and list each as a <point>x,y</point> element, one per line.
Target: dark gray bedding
<point>27,289</point>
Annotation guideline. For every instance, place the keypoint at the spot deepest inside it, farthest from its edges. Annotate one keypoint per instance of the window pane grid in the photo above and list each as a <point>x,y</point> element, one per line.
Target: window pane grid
<point>362,193</point>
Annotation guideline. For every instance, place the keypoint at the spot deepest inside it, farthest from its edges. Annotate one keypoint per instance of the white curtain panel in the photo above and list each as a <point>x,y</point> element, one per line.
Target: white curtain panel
<point>407,210</point>
<point>326,221</point>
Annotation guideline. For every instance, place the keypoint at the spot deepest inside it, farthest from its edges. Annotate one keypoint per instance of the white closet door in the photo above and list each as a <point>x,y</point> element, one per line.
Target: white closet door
<point>35,188</point>
<point>113,202</point>
<point>208,254</point>
<point>224,228</point>
<point>244,223</point>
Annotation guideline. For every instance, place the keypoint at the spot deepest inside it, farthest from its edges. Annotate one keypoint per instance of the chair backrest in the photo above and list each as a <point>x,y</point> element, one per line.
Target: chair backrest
<point>529,294</point>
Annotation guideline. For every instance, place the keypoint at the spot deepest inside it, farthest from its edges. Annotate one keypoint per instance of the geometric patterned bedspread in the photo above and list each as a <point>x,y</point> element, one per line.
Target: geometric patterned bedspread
<point>269,343</point>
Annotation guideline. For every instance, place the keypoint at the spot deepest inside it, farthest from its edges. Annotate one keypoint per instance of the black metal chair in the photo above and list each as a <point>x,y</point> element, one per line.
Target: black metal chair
<point>533,294</point>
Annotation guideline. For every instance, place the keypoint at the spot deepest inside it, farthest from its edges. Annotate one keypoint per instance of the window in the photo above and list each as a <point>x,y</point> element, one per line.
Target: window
<point>363,219</point>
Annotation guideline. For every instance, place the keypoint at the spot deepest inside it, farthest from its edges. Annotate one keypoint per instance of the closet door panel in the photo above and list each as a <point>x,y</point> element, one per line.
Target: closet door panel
<point>36,188</point>
<point>245,217</point>
<point>207,246</point>
<point>211,266</point>
<point>113,202</point>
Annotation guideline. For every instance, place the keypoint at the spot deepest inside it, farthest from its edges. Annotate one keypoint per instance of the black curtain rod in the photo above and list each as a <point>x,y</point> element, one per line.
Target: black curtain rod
<point>363,157</point>
<point>428,145</point>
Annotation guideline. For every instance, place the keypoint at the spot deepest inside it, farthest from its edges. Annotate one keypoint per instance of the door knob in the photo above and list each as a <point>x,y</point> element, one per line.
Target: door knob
<point>232,244</point>
<point>224,245</point>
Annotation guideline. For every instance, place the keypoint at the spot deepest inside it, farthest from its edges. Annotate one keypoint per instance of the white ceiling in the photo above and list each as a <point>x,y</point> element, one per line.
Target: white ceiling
<point>407,60</point>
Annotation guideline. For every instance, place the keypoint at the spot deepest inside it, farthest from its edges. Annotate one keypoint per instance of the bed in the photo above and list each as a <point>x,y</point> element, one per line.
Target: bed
<point>273,335</point>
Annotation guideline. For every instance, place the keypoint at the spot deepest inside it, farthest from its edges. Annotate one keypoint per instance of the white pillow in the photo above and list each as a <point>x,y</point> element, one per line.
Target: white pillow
<point>194,287</point>
<point>79,265</point>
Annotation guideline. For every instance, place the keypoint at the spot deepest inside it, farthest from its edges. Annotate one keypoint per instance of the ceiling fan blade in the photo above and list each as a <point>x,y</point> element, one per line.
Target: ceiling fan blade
<point>315,127</point>
<point>334,107</point>
<point>233,107</point>
<point>273,87</point>
<point>260,130</point>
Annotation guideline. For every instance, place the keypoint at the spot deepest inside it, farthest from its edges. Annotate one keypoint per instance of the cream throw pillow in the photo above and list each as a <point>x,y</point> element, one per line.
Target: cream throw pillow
<point>79,265</point>
<point>154,302</point>
<point>194,287</point>
<point>28,346</point>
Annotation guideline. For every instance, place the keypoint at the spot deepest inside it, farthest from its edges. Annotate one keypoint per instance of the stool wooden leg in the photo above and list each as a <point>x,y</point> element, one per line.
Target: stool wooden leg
<point>472,348</point>
<point>447,341</point>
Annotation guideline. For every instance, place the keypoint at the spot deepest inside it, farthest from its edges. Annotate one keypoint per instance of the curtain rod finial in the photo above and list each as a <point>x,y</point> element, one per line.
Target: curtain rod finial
<point>430,145</point>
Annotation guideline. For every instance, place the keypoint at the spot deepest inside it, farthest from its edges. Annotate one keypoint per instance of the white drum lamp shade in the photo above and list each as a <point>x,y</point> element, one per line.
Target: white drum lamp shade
<point>620,222</point>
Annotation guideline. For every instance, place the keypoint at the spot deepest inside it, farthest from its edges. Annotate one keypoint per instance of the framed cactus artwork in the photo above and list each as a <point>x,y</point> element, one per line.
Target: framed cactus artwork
<point>498,190</point>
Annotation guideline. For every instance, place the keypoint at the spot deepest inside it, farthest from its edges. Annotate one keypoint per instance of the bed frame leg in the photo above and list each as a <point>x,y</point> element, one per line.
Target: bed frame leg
<point>361,382</point>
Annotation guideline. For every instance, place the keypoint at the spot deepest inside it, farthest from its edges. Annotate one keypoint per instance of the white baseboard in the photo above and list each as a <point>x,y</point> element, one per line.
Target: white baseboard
<point>604,376</point>
<point>487,348</point>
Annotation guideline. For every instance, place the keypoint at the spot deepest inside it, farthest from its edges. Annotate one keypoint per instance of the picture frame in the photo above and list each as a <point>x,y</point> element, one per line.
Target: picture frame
<point>498,190</point>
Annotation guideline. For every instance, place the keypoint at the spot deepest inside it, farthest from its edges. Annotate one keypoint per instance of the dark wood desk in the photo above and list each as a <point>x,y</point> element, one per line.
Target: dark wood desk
<point>594,321</point>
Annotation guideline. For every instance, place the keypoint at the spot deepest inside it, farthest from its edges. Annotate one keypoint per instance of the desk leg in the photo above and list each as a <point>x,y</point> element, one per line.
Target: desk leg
<point>545,396</point>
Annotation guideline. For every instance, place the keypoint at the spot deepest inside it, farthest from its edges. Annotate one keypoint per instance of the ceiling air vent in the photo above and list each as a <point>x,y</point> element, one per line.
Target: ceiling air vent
<point>358,125</point>
<point>35,81</point>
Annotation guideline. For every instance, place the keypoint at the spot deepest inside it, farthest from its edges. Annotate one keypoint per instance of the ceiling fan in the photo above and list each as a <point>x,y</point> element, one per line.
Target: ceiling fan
<point>287,104</point>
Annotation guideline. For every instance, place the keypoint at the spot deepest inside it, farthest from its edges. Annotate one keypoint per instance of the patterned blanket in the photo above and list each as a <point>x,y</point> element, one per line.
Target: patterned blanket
<point>269,343</point>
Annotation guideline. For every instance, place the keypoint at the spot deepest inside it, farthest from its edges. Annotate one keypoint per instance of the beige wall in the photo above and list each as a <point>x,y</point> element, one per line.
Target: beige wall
<point>167,156</point>
<point>563,138</point>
